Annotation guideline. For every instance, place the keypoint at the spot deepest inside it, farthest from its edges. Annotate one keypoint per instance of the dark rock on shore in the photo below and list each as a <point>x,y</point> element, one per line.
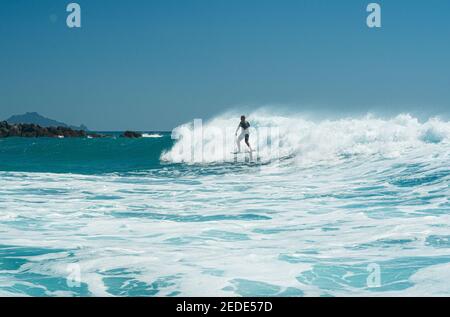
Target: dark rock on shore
<point>36,131</point>
<point>131,135</point>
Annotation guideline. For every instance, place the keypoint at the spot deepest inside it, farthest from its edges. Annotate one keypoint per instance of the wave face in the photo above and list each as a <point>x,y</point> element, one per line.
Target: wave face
<point>340,208</point>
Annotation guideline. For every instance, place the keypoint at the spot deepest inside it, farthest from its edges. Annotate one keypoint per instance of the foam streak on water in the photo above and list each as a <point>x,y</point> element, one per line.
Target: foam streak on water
<point>297,227</point>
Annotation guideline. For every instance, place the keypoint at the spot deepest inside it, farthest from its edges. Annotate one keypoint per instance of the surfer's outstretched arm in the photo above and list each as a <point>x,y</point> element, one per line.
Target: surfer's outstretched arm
<point>237,129</point>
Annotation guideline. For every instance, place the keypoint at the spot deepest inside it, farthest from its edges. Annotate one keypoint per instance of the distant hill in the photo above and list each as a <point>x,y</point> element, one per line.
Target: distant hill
<point>36,118</point>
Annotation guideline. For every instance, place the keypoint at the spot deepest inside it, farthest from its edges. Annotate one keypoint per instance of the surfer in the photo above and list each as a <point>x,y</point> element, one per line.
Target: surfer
<point>245,133</point>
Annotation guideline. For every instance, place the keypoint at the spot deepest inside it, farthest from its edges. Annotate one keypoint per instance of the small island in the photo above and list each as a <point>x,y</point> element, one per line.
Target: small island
<point>37,119</point>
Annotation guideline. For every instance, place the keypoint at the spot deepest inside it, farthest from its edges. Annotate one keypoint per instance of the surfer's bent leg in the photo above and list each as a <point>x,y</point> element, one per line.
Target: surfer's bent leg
<point>247,137</point>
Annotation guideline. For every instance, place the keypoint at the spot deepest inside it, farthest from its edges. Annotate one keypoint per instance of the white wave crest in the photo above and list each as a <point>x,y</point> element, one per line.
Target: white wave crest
<point>274,136</point>
<point>152,135</point>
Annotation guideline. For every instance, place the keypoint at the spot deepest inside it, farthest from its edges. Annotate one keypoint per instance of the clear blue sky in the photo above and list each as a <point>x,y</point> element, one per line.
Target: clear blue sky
<point>151,65</point>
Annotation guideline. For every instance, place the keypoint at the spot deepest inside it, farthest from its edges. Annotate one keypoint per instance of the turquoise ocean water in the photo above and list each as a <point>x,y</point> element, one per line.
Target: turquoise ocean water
<point>349,207</point>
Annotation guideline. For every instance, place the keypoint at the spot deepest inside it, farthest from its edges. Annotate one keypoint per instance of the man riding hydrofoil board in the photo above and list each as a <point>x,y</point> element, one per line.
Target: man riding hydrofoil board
<point>244,125</point>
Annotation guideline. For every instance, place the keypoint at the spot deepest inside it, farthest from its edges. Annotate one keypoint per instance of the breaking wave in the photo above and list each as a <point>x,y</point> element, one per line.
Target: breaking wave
<point>275,136</point>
